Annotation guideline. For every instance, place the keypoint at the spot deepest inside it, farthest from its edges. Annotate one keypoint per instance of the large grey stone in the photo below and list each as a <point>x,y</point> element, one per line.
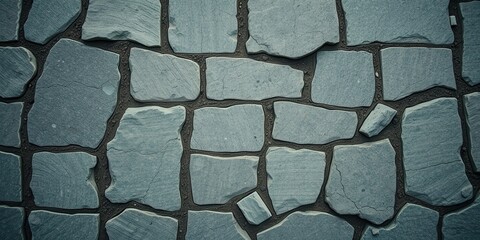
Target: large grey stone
<point>17,67</point>
<point>213,226</point>
<point>291,28</point>
<point>47,18</point>
<point>415,69</point>
<point>9,19</point>
<point>463,224</point>
<point>10,120</point>
<point>135,20</point>
<point>294,177</point>
<point>246,79</point>
<point>64,180</point>
<point>202,26</point>
<point>215,180</point>
<point>75,96</point>
<point>147,141</point>
<point>471,42</point>
<point>254,209</point>
<point>53,225</point>
<point>309,225</point>
<point>362,181</point>
<point>377,120</point>
<point>162,77</point>
<point>11,223</point>
<point>344,78</point>
<point>10,177</point>
<point>305,124</point>
<point>232,129</point>
<point>134,224</point>
<point>432,139</point>
<point>472,110</point>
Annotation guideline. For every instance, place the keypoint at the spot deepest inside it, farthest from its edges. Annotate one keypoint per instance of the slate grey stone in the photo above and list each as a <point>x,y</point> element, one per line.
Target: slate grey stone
<point>254,209</point>
<point>202,26</point>
<point>10,120</point>
<point>344,78</point>
<point>11,222</point>
<point>463,224</point>
<point>136,224</point>
<point>471,42</point>
<point>53,225</point>
<point>377,120</point>
<point>362,181</point>
<point>291,28</point>
<point>215,180</point>
<point>432,139</point>
<point>161,77</point>
<point>472,112</point>
<point>75,96</point>
<point>48,18</point>
<point>64,180</point>
<point>306,124</point>
<point>392,21</point>
<point>213,226</point>
<point>9,19</point>
<point>309,225</point>
<point>246,79</point>
<point>10,177</point>
<point>135,20</point>
<point>415,69</point>
<point>231,129</point>
<point>147,141</point>
<point>17,66</point>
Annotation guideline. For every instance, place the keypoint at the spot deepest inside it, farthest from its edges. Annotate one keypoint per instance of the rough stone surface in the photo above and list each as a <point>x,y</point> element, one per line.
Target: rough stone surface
<point>305,124</point>
<point>202,26</point>
<point>75,96</point>
<point>254,209</point>
<point>471,42</point>
<point>344,78</point>
<point>362,181</point>
<point>291,28</point>
<point>11,222</point>
<point>147,141</point>
<point>10,177</point>
<point>215,180</point>
<point>10,119</point>
<point>246,79</point>
<point>135,20</point>
<point>214,226</point>
<point>134,224</point>
<point>9,19</point>
<point>432,138</point>
<point>52,225</point>
<point>64,180</point>
<point>463,224</point>
<point>377,120</point>
<point>472,107</point>
<point>17,67</point>
<point>232,129</point>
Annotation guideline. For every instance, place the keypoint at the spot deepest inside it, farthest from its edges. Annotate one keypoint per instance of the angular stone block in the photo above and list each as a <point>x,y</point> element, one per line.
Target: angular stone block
<point>254,209</point>
<point>17,66</point>
<point>53,225</point>
<point>11,222</point>
<point>377,120</point>
<point>10,177</point>
<point>471,42</point>
<point>10,120</point>
<point>472,111</point>
<point>213,225</point>
<point>9,19</point>
<point>463,224</point>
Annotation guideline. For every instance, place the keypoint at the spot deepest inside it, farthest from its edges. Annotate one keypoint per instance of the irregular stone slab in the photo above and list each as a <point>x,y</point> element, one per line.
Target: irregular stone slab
<point>232,129</point>
<point>295,177</point>
<point>472,110</point>
<point>17,67</point>
<point>471,42</point>
<point>215,180</point>
<point>254,209</point>
<point>64,180</point>
<point>362,181</point>
<point>48,18</point>
<point>289,28</point>
<point>213,225</point>
<point>205,26</point>
<point>432,138</point>
<point>9,19</point>
<point>463,224</point>
<point>135,20</point>
<point>311,225</point>
<point>75,96</point>
<point>412,222</point>
<point>161,77</point>
<point>10,120</point>
<point>10,177</point>
<point>377,120</point>
<point>344,78</point>
<point>415,69</point>
<point>53,225</point>
<point>147,141</point>
<point>11,222</point>
<point>305,124</point>
<point>246,79</point>
<point>136,224</point>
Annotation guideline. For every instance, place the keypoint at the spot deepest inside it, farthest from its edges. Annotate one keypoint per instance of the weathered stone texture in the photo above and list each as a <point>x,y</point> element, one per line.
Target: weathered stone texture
<point>17,66</point>
<point>214,226</point>
<point>377,120</point>
<point>10,177</point>
<point>471,42</point>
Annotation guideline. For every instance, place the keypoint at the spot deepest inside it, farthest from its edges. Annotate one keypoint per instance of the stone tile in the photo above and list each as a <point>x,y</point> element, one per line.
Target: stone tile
<point>11,222</point>
<point>214,226</point>
<point>147,141</point>
<point>64,180</point>
<point>362,181</point>
<point>10,177</point>
<point>290,28</point>
<point>294,177</point>
<point>135,20</point>
<point>10,120</point>
<point>17,66</point>
<point>415,69</point>
<point>432,138</point>
<point>203,26</point>
<point>377,120</point>
<point>53,225</point>
<point>472,112</point>
<point>314,225</point>
<point>306,124</point>
<point>471,42</point>
<point>215,180</point>
<point>254,209</point>
<point>395,21</point>
<point>136,224</point>
<point>49,18</point>
<point>344,78</point>
<point>246,79</point>
<point>231,129</point>
<point>9,19</point>
<point>463,224</point>
<point>75,96</point>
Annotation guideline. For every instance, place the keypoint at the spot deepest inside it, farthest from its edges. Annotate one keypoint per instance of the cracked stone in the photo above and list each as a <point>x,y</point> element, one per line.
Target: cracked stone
<point>246,79</point>
<point>472,110</point>
<point>10,177</point>
<point>17,66</point>
<point>471,42</point>
<point>463,224</point>
<point>10,120</point>
<point>11,222</point>
<point>254,209</point>
<point>214,225</point>
<point>53,225</point>
<point>9,19</point>
<point>377,120</point>
<point>147,141</point>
